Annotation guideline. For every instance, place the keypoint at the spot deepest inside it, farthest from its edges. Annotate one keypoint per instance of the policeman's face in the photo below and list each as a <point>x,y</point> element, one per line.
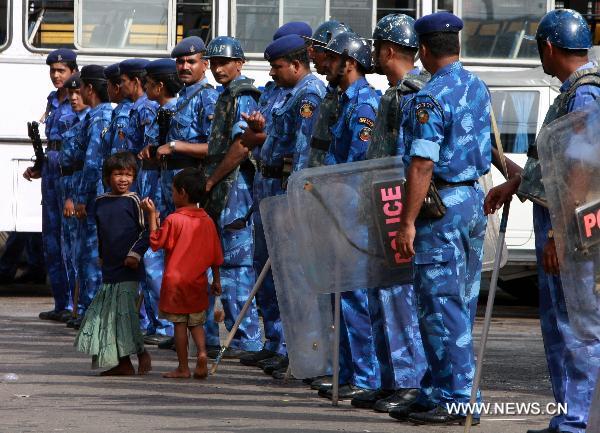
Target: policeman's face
<point>333,67</point>
<point>59,73</point>
<point>114,92</point>
<point>153,88</point>
<point>317,55</point>
<point>129,86</point>
<point>191,69</point>
<point>225,70</point>
<point>284,73</point>
<point>120,180</point>
<point>546,56</point>
<point>76,100</point>
<point>378,53</point>
<point>86,92</point>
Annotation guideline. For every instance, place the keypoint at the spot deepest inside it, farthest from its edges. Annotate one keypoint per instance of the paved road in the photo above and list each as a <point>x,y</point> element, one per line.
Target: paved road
<point>57,391</point>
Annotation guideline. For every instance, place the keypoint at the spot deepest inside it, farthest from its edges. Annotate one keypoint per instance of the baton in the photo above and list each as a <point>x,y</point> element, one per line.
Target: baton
<point>240,317</point>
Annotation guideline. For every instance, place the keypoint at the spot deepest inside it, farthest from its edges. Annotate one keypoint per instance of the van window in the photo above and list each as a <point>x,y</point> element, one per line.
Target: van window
<point>517,116</point>
<point>496,30</point>
<point>50,24</point>
<point>4,22</point>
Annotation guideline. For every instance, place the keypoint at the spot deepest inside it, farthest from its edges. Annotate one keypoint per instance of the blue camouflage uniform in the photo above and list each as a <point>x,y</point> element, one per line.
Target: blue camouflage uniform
<point>449,124</point>
<point>293,114</point>
<point>115,138</point>
<point>237,271</point>
<point>141,116</point>
<point>351,134</point>
<point>67,162</point>
<point>51,202</point>
<point>90,186</point>
<point>573,363</point>
<point>191,123</point>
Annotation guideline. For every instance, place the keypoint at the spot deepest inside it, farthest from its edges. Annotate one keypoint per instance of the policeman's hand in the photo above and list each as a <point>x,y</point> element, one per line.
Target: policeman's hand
<point>80,211</point>
<point>30,173</point>
<point>163,150</point>
<point>215,288</point>
<point>144,153</point>
<point>256,121</point>
<point>500,195</point>
<point>148,206</point>
<point>550,258</point>
<point>405,238</point>
<point>69,208</point>
<point>132,262</point>
<point>209,184</point>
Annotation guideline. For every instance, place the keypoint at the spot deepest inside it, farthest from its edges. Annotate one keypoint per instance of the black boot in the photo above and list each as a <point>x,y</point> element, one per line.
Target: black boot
<point>367,400</point>
<point>401,397</point>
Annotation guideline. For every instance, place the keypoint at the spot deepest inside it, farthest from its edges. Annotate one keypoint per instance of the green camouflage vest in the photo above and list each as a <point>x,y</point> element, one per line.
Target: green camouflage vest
<point>220,140</point>
<point>531,184</point>
<point>389,115</point>
<point>321,136</point>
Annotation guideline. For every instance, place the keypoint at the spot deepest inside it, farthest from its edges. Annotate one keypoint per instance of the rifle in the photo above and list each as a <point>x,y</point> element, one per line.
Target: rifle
<point>163,118</point>
<point>34,134</point>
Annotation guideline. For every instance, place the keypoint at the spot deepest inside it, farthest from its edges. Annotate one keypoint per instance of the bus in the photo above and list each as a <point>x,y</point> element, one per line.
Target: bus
<point>107,31</point>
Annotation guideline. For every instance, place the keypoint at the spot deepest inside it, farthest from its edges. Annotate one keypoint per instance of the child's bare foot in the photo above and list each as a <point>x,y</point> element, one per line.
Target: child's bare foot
<point>144,362</point>
<point>178,373</point>
<point>125,368</point>
<point>201,371</point>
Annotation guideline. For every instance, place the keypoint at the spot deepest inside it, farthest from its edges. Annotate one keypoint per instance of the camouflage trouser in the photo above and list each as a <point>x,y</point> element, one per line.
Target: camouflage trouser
<point>573,363</point>
<point>447,263</point>
<point>166,185</point>
<point>68,236</point>
<point>88,267</point>
<point>398,343</point>
<point>51,231</point>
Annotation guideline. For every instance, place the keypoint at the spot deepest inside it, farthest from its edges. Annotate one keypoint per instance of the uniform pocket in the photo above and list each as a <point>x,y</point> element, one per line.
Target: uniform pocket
<point>183,124</point>
<point>436,272</point>
<point>434,255</point>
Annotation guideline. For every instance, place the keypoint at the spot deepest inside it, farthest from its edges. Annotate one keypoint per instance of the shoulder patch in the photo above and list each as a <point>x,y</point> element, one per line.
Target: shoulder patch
<point>307,109</point>
<point>422,115</point>
<point>365,134</point>
<point>366,121</point>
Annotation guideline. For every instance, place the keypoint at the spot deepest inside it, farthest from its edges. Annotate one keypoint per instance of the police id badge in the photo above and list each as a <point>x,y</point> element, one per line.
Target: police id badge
<point>422,112</point>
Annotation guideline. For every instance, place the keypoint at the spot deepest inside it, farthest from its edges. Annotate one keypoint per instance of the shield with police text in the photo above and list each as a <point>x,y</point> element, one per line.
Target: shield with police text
<point>306,316</point>
<point>569,153</point>
<point>347,216</point>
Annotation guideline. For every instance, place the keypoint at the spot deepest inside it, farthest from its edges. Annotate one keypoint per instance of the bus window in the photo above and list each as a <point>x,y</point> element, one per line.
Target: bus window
<point>195,18</point>
<point>516,113</point>
<point>257,20</point>
<point>50,24</point>
<point>3,22</point>
<point>496,29</point>
<point>444,5</point>
<point>119,25</point>
<point>355,13</point>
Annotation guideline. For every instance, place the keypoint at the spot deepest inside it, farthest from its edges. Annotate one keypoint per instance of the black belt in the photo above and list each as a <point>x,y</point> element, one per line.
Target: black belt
<point>270,171</point>
<point>320,144</point>
<point>69,170</point>
<point>53,145</point>
<point>532,152</point>
<point>441,184</point>
<point>150,164</point>
<point>178,164</point>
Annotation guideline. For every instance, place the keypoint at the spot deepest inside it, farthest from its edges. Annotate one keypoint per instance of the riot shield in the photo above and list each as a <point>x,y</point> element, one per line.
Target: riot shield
<point>569,153</point>
<point>593,425</point>
<point>307,317</point>
<point>346,217</point>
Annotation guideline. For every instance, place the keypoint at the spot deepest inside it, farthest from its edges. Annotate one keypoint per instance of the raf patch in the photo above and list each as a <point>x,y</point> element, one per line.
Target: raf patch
<point>121,135</point>
<point>306,110</point>
<point>422,115</point>
<point>365,134</point>
<point>366,121</point>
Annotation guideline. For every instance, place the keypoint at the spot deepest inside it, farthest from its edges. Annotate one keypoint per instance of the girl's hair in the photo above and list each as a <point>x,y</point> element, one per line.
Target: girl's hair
<point>99,87</point>
<point>119,161</point>
<point>193,182</point>
<point>171,82</point>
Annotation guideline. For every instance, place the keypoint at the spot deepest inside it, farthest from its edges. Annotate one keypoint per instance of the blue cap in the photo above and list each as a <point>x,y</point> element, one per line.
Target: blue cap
<point>188,47</point>
<point>131,66</point>
<point>293,28</point>
<point>438,22</point>
<point>564,28</point>
<point>397,28</point>
<point>61,55</point>
<point>161,67</point>
<point>112,71</point>
<point>73,82</point>
<point>224,46</point>
<point>284,45</point>
<point>92,73</point>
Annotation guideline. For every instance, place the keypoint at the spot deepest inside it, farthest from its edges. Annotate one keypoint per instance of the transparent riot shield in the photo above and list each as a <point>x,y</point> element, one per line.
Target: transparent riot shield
<point>347,216</point>
<point>569,154</point>
<point>307,317</point>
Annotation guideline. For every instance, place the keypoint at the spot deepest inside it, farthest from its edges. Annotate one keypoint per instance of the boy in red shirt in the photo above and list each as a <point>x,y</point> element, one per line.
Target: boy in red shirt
<point>191,245</point>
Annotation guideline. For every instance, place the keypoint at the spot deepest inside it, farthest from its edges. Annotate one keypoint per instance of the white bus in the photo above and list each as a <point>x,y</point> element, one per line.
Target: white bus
<point>107,31</point>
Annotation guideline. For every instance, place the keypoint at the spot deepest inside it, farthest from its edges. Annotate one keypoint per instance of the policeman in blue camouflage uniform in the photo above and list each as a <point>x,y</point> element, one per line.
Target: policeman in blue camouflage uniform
<point>115,139</point>
<point>229,184</point>
<point>393,309</point>
<point>285,150</point>
<point>348,59</point>
<point>162,86</point>
<point>447,138</point>
<point>68,165</point>
<point>190,126</point>
<point>321,137</point>
<point>94,94</point>
<point>563,39</point>
<point>62,63</point>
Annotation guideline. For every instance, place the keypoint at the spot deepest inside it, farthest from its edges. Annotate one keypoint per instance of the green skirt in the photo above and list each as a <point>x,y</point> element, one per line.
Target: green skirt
<point>111,327</point>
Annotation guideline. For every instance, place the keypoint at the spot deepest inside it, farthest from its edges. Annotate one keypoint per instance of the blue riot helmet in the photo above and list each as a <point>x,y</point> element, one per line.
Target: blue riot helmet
<point>327,31</point>
<point>224,46</point>
<point>397,28</point>
<point>565,28</point>
<point>353,46</point>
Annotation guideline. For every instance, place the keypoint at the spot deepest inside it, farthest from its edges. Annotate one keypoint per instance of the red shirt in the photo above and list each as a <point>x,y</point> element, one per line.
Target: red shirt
<point>191,245</point>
